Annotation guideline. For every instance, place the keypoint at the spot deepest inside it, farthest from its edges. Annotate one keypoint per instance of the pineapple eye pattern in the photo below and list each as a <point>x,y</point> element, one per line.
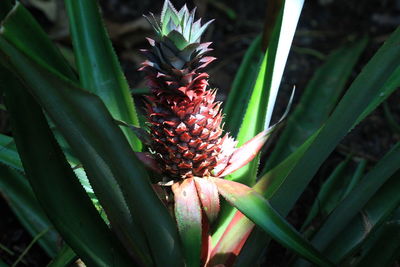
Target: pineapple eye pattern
<point>185,120</point>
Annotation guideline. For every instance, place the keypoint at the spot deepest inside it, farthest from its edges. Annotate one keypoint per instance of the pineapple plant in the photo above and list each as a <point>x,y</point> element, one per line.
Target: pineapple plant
<point>187,145</point>
<point>185,121</point>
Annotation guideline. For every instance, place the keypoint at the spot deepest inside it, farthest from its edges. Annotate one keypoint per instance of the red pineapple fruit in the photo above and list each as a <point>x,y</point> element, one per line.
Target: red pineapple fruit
<point>186,134</point>
<point>185,121</point>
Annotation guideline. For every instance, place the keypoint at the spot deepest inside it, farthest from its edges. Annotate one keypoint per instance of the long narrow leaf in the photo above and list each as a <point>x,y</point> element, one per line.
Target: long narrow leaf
<point>239,95</point>
<point>379,78</point>
<point>8,154</point>
<point>232,240</point>
<point>259,111</point>
<point>318,100</point>
<point>356,200</point>
<point>18,193</point>
<point>74,216</point>
<point>98,66</point>
<point>64,258</point>
<point>330,193</point>
<point>257,208</point>
<point>21,29</point>
<point>105,154</point>
<point>188,217</point>
<point>382,73</point>
<point>385,248</point>
<point>361,228</point>
<point>111,196</point>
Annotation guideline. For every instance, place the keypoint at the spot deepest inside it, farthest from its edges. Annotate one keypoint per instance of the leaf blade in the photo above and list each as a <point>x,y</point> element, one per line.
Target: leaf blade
<point>88,127</point>
<point>98,65</point>
<point>255,207</point>
<point>28,118</point>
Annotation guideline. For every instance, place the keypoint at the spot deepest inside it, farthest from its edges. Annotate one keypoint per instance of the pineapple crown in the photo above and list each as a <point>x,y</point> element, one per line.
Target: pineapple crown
<point>178,26</point>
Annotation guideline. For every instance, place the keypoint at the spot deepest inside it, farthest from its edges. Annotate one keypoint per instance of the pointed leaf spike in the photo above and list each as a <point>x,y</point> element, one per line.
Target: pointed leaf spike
<point>188,31</point>
<point>245,153</point>
<point>257,209</point>
<point>196,37</point>
<point>188,217</point>
<point>153,22</point>
<point>209,198</point>
<point>168,15</point>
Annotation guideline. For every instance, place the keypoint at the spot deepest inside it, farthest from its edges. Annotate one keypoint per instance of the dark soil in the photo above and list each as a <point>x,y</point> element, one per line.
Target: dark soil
<point>324,26</point>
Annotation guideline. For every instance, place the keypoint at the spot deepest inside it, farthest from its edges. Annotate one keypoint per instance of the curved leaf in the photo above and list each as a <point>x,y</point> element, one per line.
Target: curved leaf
<point>89,129</point>
<point>18,193</point>
<point>21,29</point>
<point>241,87</point>
<point>353,203</point>
<point>385,249</point>
<point>74,217</point>
<point>362,228</point>
<point>318,100</point>
<point>64,258</point>
<point>262,101</point>
<point>99,69</point>
<point>381,74</point>
<point>8,153</point>
<point>257,209</point>
<point>188,216</point>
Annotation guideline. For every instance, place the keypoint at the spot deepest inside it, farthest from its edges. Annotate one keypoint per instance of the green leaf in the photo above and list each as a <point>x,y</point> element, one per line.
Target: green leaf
<point>339,219</point>
<point>117,209</point>
<point>356,178</point>
<point>105,154</point>
<point>16,190</point>
<point>21,29</point>
<point>257,209</point>
<point>330,193</point>
<point>9,157</point>
<point>384,249</point>
<point>379,78</point>
<point>8,153</point>
<point>99,69</point>
<point>372,215</point>
<point>168,15</point>
<point>259,110</point>
<point>55,185</point>
<point>318,100</point>
<point>381,74</point>
<point>64,258</point>
<point>239,95</point>
<point>267,185</point>
<point>232,240</point>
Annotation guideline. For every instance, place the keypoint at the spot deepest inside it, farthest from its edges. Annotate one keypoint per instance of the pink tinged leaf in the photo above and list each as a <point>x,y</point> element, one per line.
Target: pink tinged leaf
<point>148,160</point>
<point>245,153</point>
<point>232,241</point>
<point>206,244</point>
<point>209,198</point>
<point>188,217</point>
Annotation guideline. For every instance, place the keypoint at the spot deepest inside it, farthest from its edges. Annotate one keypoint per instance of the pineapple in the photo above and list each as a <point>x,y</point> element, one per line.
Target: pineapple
<point>187,139</point>
<point>185,120</point>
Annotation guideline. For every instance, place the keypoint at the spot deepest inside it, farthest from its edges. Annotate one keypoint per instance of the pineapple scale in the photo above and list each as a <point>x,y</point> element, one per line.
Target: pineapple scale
<point>183,116</point>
